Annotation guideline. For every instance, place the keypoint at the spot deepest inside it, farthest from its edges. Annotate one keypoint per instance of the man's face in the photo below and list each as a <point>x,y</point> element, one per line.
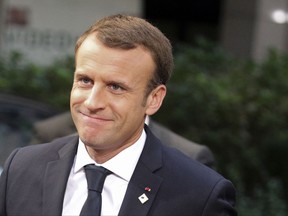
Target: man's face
<point>107,95</point>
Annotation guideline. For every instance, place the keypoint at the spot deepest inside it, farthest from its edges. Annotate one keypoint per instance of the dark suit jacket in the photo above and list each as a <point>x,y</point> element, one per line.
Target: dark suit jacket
<point>62,125</point>
<point>34,180</point>
<point>194,150</point>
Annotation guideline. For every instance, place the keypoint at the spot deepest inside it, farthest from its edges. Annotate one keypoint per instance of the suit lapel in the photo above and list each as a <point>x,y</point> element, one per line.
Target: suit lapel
<point>144,184</point>
<point>56,176</point>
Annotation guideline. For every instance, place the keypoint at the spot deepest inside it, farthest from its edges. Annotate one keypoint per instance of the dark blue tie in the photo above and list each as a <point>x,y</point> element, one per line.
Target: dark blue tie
<point>95,176</point>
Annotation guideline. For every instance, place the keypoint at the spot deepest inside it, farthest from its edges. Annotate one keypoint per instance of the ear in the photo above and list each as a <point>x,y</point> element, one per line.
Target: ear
<point>155,99</point>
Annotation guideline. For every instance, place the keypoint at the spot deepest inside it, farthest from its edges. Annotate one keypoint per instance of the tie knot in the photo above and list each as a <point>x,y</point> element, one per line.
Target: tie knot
<point>95,176</point>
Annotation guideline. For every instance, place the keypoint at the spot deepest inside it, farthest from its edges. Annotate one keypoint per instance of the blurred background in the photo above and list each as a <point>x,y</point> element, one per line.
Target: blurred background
<point>229,90</point>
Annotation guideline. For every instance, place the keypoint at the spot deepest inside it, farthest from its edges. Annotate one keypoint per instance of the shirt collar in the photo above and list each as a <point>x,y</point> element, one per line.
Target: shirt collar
<point>123,164</point>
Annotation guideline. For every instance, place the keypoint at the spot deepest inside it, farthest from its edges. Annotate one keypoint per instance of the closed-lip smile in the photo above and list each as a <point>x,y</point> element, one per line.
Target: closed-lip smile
<point>94,118</point>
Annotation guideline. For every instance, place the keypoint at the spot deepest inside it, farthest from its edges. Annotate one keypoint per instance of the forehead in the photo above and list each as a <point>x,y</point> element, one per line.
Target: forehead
<point>93,55</point>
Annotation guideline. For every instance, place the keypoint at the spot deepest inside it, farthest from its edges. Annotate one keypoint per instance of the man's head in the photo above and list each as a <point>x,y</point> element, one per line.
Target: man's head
<point>122,66</point>
<point>128,32</point>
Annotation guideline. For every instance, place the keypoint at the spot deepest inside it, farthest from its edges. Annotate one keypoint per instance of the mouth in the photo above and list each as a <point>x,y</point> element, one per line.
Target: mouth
<point>94,119</point>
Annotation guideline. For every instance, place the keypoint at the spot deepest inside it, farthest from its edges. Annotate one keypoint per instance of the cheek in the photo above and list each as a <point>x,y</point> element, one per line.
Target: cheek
<point>125,105</point>
<point>76,96</point>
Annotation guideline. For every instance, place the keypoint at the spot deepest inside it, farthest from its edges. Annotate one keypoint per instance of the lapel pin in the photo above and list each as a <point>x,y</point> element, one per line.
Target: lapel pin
<point>147,189</point>
<point>143,198</point>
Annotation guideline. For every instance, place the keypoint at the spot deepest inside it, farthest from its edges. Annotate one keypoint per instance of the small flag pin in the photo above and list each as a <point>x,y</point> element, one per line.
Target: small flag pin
<point>147,189</point>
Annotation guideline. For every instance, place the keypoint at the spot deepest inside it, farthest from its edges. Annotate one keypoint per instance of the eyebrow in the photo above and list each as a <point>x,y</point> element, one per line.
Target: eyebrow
<point>124,84</point>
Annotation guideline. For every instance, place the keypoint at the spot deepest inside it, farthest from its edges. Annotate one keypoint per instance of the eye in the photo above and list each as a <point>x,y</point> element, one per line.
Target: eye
<point>85,80</point>
<point>115,87</point>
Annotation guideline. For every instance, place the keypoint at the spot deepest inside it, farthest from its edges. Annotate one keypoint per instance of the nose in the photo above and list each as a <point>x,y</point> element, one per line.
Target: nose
<point>95,99</point>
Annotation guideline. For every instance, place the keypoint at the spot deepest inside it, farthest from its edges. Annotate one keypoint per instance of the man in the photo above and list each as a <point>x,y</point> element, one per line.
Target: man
<point>63,125</point>
<point>122,66</point>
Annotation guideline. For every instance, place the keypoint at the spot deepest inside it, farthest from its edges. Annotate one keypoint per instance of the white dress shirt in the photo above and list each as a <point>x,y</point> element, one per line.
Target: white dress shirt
<point>115,185</point>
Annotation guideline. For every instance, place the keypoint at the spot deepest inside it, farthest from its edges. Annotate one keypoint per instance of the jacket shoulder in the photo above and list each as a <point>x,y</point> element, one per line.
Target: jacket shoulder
<point>194,150</point>
<point>41,153</point>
